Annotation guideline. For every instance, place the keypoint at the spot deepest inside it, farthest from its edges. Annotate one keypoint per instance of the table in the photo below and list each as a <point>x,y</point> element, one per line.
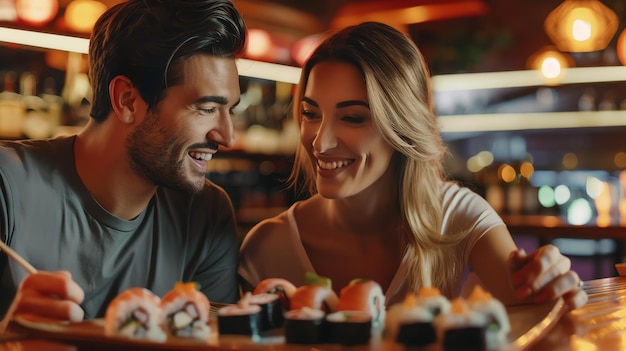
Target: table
<point>599,325</point>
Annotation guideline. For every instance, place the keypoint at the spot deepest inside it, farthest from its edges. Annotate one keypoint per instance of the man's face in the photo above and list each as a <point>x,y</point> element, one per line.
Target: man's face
<point>174,142</point>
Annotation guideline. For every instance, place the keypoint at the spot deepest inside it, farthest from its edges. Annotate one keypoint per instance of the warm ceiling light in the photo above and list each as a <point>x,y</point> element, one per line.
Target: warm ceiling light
<point>550,63</point>
<point>259,44</point>
<point>303,48</point>
<point>36,12</point>
<point>581,25</point>
<point>81,15</point>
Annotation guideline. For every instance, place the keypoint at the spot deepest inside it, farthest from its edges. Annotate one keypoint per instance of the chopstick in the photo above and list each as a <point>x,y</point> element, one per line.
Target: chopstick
<point>19,259</point>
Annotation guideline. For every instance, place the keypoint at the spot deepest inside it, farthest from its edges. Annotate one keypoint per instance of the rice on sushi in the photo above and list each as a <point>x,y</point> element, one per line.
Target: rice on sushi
<point>242,318</point>
<point>136,314</point>
<point>349,327</point>
<point>186,311</point>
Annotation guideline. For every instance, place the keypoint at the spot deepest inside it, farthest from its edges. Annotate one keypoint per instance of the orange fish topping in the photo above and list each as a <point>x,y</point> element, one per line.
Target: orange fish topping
<point>429,292</point>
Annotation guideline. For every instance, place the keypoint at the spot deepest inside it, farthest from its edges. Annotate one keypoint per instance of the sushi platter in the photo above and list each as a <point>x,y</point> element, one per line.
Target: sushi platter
<point>529,323</point>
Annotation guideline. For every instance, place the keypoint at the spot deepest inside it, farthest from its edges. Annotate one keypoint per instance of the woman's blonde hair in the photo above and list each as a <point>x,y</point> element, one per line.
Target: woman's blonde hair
<point>400,98</point>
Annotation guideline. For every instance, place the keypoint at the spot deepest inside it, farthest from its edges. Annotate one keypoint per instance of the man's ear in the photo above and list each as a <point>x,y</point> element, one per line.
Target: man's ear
<point>124,99</point>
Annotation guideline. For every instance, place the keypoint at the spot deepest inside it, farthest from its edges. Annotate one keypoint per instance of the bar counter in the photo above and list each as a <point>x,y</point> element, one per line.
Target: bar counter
<point>599,325</point>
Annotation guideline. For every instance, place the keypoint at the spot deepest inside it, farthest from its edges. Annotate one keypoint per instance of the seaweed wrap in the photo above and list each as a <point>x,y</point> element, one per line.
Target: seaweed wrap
<point>462,328</point>
<point>305,326</point>
<point>271,310</point>
<point>349,327</point>
<point>242,318</point>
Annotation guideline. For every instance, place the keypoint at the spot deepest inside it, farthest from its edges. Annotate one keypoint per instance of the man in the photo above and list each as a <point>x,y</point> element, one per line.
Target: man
<point>125,202</point>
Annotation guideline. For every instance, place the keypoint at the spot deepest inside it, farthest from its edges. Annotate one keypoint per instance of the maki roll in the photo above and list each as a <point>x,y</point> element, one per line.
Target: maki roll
<point>431,299</point>
<point>282,287</point>
<point>498,324</point>
<point>363,295</point>
<point>317,294</point>
<point>349,327</point>
<point>462,328</point>
<point>305,326</point>
<point>271,310</point>
<point>186,311</point>
<point>410,323</point>
<point>136,314</point>
<point>242,318</point>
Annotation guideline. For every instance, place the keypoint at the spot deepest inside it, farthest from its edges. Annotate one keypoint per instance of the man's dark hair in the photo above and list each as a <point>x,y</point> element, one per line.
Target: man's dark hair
<point>148,40</point>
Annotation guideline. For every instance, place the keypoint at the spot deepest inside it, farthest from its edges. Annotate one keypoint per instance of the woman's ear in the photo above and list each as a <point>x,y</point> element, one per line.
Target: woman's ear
<point>124,99</point>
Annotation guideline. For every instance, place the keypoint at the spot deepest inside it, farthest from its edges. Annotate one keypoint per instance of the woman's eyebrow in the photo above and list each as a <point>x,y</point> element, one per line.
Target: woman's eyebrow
<point>352,103</point>
<point>309,101</point>
<point>339,104</point>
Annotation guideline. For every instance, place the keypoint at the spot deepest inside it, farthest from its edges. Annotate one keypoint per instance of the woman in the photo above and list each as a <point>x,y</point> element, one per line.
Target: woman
<point>370,154</point>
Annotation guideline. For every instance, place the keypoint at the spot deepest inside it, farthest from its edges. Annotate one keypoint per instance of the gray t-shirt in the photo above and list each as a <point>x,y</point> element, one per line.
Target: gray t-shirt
<point>49,217</point>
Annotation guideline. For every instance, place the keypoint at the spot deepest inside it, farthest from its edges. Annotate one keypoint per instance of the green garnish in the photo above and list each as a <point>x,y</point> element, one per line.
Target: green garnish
<point>314,279</point>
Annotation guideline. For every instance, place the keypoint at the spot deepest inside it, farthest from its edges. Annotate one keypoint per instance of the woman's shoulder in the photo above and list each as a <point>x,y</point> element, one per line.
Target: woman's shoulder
<point>455,193</point>
<point>272,229</point>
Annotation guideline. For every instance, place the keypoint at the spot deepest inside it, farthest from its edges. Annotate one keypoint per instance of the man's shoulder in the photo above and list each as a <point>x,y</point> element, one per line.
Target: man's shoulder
<point>34,147</point>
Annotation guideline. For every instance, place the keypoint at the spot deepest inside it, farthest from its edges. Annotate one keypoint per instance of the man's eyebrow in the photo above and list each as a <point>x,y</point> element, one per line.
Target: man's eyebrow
<point>213,98</point>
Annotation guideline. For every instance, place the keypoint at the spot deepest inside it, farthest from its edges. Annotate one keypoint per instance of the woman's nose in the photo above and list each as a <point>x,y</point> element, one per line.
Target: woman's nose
<point>325,138</point>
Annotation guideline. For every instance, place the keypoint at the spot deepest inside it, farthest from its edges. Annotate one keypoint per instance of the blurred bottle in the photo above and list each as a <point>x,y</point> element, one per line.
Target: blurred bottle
<point>36,122</point>
<point>11,108</point>
<point>54,101</point>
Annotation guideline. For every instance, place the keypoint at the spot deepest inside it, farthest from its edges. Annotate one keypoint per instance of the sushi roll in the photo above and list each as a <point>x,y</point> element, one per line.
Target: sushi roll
<point>461,328</point>
<point>431,299</point>
<point>409,323</point>
<point>317,295</point>
<point>242,318</point>
<point>305,326</point>
<point>186,311</point>
<point>349,327</point>
<point>282,287</point>
<point>498,324</point>
<point>363,295</point>
<point>271,310</point>
<point>136,314</point>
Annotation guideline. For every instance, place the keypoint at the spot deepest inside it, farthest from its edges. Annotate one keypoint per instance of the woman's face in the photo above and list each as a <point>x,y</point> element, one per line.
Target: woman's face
<point>347,152</point>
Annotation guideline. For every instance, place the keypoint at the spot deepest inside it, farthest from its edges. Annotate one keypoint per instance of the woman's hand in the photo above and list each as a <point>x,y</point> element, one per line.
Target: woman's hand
<point>544,275</point>
<point>47,296</point>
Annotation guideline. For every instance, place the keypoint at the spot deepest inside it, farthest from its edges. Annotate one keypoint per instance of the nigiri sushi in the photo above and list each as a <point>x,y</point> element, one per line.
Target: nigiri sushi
<point>136,314</point>
<point>186,311</point>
